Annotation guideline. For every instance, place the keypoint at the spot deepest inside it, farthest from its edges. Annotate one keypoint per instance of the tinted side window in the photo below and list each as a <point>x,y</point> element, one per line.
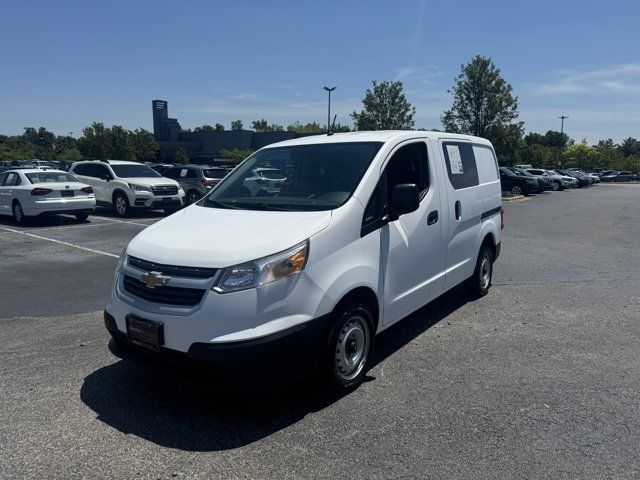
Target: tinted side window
<point>376,208</point>
<point>408,165</point>
<point>100,170</point>
<point>461,164</point>
<point>191,173</point>
<point>2,178</point>
<point>80,169</point>
<point>12,180</point>
<point>171,173</point>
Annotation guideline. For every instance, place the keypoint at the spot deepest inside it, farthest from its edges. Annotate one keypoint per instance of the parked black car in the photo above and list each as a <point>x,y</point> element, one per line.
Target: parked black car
<point>517,183</point>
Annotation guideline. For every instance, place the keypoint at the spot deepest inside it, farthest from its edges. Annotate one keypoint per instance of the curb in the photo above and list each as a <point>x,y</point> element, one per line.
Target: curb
<point>511,199</point>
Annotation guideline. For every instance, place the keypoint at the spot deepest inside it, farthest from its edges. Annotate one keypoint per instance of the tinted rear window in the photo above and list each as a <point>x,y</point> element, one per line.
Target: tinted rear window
<point>461,164</point>
<point>213,173</point>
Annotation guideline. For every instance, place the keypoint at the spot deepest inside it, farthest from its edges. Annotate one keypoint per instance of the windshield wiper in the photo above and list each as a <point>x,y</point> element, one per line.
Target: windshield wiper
<point>218,203</point>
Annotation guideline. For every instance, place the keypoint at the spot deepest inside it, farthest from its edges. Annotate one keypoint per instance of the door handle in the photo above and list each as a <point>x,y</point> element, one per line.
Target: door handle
<point>432,217</point>
<point>458,209</point>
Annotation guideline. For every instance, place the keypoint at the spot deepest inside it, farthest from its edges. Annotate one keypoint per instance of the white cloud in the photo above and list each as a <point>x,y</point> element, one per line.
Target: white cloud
<point>591,80</point>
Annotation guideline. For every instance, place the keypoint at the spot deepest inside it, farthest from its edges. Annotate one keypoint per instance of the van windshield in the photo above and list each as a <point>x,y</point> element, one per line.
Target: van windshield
<point>297,178</point>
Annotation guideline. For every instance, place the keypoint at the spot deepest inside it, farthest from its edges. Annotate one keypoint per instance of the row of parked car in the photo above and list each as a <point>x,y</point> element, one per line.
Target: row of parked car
<point>39,189</point>
<point>525,180</point>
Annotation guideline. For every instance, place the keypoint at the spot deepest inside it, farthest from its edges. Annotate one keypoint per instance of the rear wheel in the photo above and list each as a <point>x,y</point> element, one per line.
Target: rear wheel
<point>82,217</point>
<point>479,283</point>
<point>121,204</point>
<point>556,186</point>
<point>349,347</point>
<point>516,190</point>
<point>18,214</point>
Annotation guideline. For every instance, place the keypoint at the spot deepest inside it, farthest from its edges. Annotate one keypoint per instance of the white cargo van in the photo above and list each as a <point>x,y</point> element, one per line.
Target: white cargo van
<point>363,229</point>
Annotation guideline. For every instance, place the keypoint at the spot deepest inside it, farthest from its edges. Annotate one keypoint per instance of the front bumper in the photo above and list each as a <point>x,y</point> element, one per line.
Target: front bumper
<point>293,352</point>
<point>143,199</point>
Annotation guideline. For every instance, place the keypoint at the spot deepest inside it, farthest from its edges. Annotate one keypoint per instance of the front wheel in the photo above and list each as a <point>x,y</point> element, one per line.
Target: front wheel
<point>349,348</point>
<point>479,283</point>
<point>82,217</point>
<point>121,203</point>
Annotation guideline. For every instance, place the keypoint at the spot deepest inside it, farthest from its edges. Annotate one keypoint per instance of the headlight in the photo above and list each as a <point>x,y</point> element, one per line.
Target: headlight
<point>139,188</point>
<point>123,256</point>
<point>264,270</point>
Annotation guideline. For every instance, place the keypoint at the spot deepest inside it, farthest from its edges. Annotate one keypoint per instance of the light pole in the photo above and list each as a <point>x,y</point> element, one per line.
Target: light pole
<point>562,118</point>
<point>329,108</point>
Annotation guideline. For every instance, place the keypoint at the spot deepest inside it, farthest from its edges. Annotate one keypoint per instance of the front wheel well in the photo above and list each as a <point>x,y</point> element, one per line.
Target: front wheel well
<point>116,192</point>
<point>363,295</point>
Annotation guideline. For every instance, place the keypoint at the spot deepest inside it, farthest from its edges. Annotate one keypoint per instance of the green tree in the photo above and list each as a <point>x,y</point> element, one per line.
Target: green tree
<point>580,155</point>
<point>507,141</point>
<point>235,155</point>
<point>119,144</point>
<point>630,146</point>
<point>385,107</point>
<point>204,128</point>
<point>144,145</point>
<point>482,100</point>
<point>260,125</point>
<point>182,156</point>
<point>219,127</point>
<point>93,142</point>
<point>236,125</point>
<point>607,144</point>
<point>72,154</point>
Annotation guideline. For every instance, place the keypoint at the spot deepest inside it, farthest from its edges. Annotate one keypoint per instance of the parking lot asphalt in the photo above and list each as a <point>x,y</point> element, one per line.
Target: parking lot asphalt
<point>539,379</point>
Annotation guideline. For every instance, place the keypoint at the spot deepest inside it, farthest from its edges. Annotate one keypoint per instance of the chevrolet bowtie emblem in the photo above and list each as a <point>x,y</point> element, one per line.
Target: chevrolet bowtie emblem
<point>154,279</point>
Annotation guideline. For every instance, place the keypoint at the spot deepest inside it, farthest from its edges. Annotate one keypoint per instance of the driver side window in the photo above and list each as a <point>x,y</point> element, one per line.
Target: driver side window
<point>409,164</point>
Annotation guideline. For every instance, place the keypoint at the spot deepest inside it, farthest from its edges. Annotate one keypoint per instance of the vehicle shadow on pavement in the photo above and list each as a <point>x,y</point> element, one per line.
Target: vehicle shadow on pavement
<point>176,408</point>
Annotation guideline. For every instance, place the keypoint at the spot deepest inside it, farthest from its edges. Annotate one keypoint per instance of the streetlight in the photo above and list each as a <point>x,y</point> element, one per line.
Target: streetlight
<point>329,108</point>
<point>562,118</point>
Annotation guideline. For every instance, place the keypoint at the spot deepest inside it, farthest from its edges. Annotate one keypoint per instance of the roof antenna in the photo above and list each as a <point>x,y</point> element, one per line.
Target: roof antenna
<point>333,125</point>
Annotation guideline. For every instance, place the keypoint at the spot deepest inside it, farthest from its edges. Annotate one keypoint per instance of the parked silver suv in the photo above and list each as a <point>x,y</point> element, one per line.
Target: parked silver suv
<point>196,180</point>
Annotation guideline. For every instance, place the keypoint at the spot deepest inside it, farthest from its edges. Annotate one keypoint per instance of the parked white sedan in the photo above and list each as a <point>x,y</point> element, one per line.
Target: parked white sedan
<point>32,192</point>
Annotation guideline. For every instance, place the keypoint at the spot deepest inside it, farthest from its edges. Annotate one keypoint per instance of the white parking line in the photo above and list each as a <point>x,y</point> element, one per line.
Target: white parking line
<point>127,221</point>
<point>92,250</point>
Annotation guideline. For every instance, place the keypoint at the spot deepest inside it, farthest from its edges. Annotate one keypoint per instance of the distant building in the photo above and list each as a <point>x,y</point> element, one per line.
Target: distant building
<point>204,147</point>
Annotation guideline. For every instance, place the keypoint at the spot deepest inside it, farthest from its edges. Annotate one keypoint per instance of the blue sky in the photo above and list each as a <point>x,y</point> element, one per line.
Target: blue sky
<point>66,64</point>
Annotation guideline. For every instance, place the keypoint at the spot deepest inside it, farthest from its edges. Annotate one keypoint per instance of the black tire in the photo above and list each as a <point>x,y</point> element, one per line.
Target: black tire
<point>479,283</point>
<point>192,197</point>
<point>121,204</point>
<point>349,347</point>
<point>18,214</point>
<point>82,217</point>
<point>516,190</point>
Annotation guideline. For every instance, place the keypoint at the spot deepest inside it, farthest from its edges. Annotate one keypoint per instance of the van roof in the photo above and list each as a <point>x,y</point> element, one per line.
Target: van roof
<point>376,136</point>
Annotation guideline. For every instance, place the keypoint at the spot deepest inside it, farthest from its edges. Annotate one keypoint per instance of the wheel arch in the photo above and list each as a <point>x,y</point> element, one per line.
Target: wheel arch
<point>365,295</point>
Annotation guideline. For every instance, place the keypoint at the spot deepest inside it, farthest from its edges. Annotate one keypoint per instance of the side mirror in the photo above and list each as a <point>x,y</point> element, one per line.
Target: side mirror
<point>106,177</point>
<point>404,199</point>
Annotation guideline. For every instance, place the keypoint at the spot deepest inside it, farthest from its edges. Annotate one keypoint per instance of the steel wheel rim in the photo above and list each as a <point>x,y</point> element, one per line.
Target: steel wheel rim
<point>352,348</point>
<point>121,205</point>
<point>17,212</point>
<point>516,190</point>
<point>485,272</point>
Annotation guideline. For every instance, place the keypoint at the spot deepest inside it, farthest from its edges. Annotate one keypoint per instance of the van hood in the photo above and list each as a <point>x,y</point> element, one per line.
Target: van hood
<point>216,238</point>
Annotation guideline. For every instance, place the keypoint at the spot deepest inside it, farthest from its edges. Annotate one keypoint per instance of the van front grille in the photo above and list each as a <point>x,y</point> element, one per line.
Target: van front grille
<point>166,295</point>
